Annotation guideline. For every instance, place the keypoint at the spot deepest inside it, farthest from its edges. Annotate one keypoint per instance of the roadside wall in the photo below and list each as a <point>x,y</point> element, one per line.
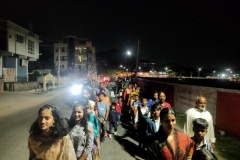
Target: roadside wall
<point>1,85</point>
<point>223,104</point>
<point>20,86</point>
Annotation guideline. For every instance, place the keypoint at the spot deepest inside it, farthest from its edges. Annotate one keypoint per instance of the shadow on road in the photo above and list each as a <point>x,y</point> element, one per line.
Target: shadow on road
<point>129,142</point>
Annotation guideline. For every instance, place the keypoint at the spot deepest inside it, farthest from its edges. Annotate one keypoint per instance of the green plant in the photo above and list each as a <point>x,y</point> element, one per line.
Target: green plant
<point>227,147</point>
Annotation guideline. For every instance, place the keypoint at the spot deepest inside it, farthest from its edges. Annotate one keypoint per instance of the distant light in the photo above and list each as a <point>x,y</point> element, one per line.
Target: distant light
<point>223,75</point>
<point>129,53</point>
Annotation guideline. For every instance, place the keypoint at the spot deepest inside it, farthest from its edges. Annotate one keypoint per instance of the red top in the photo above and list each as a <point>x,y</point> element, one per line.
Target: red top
<point>181,147</point>
<point>165,105</point>
<point>118,106</point>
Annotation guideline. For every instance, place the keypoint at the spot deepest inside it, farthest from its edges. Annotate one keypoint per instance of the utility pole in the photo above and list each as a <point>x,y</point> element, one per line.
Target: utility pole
<point>58,63</point>
<point>137,56</point>
<point>137,59</point>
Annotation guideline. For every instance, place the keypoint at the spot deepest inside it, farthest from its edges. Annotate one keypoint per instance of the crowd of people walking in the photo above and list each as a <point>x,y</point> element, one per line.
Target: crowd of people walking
<point>95,117</point>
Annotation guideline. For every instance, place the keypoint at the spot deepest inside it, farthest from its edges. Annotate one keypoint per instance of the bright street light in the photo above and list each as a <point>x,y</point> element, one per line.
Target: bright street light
<point>166,68</point>
<point>199,69</point>
<point>128,54</point>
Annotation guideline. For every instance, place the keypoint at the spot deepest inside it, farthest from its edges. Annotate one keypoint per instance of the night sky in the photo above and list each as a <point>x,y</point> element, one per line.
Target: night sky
<point>200,33</point>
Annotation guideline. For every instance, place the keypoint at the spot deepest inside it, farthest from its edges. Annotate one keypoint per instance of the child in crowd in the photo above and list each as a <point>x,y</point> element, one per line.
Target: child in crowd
<point>140,122</point>
<point>113,118</point>
<point>200,127</point>
<point>135,104</point>
<point>102,112</point>
<point>119,105</point>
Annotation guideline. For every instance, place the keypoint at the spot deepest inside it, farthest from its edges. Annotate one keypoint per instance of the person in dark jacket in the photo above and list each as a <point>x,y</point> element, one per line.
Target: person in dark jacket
<point>113,119</point>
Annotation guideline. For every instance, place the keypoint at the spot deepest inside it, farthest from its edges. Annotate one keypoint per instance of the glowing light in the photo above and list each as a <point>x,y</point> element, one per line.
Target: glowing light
<point>76,89</point>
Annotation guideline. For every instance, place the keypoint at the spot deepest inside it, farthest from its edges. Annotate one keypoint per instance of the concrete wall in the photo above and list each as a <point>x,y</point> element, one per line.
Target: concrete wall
<point>185,97</point>
<point>1,85</point>
<point>22,72</point>
<point>223,104</point>
<point>22,86</point>
<point>228,110</point>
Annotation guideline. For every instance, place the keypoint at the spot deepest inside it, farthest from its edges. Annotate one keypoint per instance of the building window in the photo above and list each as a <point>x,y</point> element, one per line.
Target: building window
<point>62,65</point>
<point>77,67</point>
<point>30,47</point>
<point>19,38</point>
<point>83,67</point>
<point>90,59</point>
<point>56,49</point>
<point>63,49</point>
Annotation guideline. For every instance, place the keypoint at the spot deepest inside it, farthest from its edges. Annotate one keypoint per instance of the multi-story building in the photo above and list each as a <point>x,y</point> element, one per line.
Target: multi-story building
<point>18,46</point>
<point>77,55</point>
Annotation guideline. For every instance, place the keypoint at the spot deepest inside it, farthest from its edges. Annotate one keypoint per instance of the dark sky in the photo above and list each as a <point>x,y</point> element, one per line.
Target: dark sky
<point>201,33</point>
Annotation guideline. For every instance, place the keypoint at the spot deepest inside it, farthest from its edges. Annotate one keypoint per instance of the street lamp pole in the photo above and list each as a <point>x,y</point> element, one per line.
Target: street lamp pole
<point>137,56</point>
<point>58,63</point>
<point>199,69</point>
<point>166,68</point>
<point>129,54</point>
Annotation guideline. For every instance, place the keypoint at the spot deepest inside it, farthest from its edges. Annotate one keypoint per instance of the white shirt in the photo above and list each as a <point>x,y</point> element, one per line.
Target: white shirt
<point>143,110</point>
<point>157,124</point>
<point>194,113</point>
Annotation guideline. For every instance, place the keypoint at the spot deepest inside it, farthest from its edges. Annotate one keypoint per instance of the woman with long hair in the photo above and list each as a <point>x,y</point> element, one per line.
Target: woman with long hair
<point>49,139</point>
<point>169,143</point>
<point>81,131</point>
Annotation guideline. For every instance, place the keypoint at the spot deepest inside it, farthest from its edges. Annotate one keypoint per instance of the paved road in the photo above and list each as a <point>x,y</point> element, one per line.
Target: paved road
<point>17,113</point>
<point>19,110</point>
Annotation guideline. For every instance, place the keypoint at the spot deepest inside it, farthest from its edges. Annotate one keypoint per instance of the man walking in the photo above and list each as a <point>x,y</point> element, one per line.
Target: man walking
<point>200,112</point>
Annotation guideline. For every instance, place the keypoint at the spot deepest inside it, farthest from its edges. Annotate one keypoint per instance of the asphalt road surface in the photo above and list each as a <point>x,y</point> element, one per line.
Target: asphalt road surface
<point>17,113</point>
<point>19,110</point>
